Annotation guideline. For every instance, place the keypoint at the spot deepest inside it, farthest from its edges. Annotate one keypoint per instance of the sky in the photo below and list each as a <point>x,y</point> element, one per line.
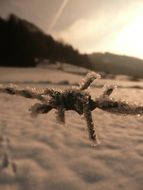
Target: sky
<point>114,26</point>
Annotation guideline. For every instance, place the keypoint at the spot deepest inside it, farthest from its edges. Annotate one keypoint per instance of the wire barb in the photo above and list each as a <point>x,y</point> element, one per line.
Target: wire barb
<point>90,77</point>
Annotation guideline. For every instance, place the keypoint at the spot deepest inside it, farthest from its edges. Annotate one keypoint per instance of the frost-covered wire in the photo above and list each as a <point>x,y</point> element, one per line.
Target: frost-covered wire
<point>90,77</point>
<point>77,99</point>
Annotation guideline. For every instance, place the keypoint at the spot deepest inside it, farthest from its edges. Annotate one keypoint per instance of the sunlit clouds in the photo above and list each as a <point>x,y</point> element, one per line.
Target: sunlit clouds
<point>130,39</point>
<point>97,25</point>
<point>119,32</point>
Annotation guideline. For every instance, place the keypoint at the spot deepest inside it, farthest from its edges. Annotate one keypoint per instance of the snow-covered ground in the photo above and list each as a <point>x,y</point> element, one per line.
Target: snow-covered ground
<point>46,155</point>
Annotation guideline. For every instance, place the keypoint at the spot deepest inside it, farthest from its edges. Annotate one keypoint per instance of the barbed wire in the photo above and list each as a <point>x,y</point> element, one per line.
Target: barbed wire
<point>77,99</point>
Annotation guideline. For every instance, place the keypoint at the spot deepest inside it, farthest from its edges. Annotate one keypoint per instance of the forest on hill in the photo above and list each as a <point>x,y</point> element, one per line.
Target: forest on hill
<point>24,45</point>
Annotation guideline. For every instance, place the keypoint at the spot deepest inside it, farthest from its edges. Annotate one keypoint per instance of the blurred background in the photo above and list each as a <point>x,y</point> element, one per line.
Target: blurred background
<point>105,35</point>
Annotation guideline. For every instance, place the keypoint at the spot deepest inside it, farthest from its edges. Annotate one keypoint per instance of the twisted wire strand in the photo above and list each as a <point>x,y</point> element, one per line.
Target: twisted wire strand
<point>119,107</point>
<point>22,92</point>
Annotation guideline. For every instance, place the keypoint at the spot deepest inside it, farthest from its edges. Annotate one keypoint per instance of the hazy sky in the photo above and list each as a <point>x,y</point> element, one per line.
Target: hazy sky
<point>89,25</point>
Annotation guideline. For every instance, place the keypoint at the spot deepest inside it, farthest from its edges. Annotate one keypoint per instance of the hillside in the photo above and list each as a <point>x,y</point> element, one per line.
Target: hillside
<point>24,45</point>
<point>117,64</point>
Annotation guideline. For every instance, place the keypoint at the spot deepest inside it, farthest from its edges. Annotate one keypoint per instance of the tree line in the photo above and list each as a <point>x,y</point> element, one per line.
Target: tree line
<point>22,44</point>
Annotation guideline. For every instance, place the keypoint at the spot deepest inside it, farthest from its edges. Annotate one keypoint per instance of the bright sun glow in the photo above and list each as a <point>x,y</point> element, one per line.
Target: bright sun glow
<point>130,39</point>
<point>120,33</point>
